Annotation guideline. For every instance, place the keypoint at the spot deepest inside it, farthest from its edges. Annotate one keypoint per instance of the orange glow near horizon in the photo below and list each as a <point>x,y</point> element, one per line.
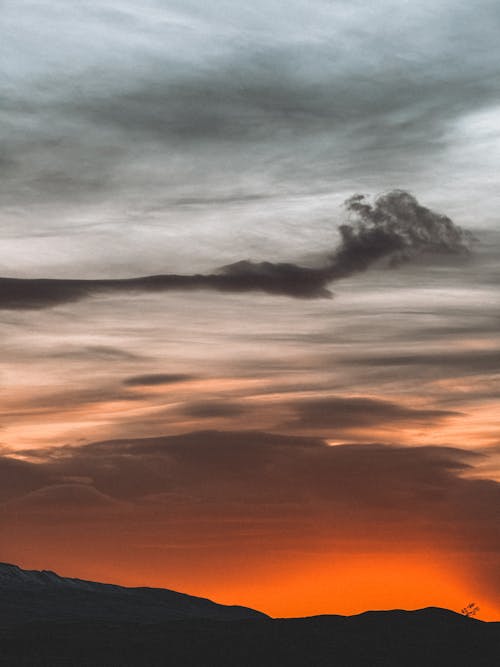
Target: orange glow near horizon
<point>345,584</point>
<point>349,585</point>
<point>361,582</point>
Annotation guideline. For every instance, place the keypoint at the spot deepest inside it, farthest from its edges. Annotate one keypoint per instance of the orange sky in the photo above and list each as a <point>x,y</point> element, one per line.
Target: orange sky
<point>344,580</point>
<point>292,527</point>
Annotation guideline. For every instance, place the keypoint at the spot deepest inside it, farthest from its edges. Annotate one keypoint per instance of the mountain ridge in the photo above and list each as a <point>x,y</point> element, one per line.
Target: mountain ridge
<point>43,595</point>
<point>11,575</point>
<point>48,620</point>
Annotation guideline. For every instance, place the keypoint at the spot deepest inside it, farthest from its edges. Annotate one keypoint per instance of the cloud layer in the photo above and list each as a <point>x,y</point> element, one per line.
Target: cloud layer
<point>209,477</point>
<point>396,227</point>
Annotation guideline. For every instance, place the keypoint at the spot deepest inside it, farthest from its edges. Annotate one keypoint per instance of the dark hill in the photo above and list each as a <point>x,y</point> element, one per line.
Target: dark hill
<point>45,596</point>
<point>430,637</point>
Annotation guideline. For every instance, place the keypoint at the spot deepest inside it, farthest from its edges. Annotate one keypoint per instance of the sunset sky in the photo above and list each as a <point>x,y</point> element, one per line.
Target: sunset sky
<point>296,404</point>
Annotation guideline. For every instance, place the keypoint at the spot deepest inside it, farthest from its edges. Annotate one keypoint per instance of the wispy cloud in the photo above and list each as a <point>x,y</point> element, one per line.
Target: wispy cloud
<point>396,227</point>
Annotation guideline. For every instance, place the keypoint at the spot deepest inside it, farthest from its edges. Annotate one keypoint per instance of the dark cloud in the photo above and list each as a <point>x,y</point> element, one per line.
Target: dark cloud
<point>210,475</point>
<point>133,468</point>
<point>154,379</point>
<point>280,279</point>
<point>58,402</point>
<point>19,294</point>
<point>467,361</point>
<point>20,477</point>
<point>358,412</point>
<point>212,409</point>
<point>396,227</point>
<point>60,498</point>
<point>255,97</point>
<point>106,353</point>
<point>257,94</point>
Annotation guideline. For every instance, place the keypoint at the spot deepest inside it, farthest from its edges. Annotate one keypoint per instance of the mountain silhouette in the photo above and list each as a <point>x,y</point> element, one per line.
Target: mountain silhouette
<point>30,595</point>
<point>48,621</point>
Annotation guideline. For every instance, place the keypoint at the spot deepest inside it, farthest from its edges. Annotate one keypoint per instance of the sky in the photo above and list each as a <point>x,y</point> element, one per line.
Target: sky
<point>249,294</point>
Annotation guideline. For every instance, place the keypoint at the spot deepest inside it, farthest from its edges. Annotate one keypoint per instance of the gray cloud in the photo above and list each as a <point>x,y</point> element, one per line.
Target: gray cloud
<point>396,227</point>
<point>463,362</point>
<point>131,117</point>
<point>214,408</point>
<point>105,353</point>
<point>358,412</point>
<point>154,379</point>
<point>398,220</point>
